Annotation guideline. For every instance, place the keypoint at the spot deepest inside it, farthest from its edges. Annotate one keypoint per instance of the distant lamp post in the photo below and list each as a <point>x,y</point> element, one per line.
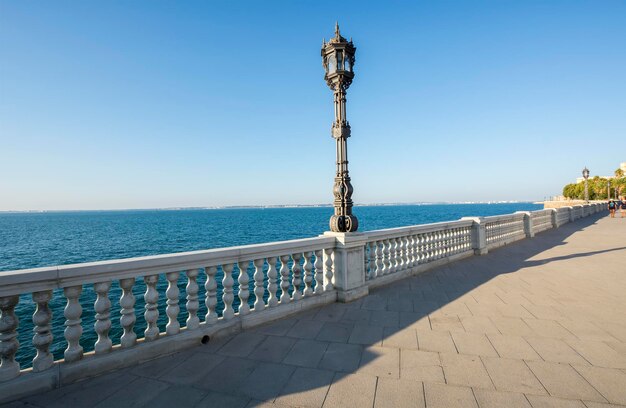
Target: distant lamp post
<point>586,176</point>
<point>338,59</point>
<point>608,189</point>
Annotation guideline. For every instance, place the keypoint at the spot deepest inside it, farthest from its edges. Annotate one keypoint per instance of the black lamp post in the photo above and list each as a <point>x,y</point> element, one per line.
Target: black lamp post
<point>338,60</point>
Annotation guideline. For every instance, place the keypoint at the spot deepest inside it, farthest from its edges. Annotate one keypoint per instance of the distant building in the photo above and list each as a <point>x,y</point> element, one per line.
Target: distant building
<point>621,166</point>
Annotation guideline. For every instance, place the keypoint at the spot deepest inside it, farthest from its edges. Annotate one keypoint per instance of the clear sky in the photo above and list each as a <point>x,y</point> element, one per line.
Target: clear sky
<point>143,104</point>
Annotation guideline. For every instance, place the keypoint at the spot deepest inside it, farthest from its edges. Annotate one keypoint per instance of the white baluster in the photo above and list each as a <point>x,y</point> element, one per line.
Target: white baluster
<point>244,291</point>
<point>297,277</point>
<point>73,328</point>
<point>328,269</point>
<point>405,252</point>
<point>379,258</point>
<point>308,274</point>
<point>128,318</point>
<point>319,272</point>
<point>387,256</point>
<point>43,331</point>
<point>211,295</point>
<point>259,290</point>
<point>227,296</point>
<point>102,307</point>
<point>193,322</point>
<point>284,279</point>
<point>173,309</point>
<point>151,315</point>
<point>272,281</point>
<point>371,255</point>
<point>9,368</point>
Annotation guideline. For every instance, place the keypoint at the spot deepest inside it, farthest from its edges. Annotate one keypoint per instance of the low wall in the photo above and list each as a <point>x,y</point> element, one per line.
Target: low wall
<point>243,287</point>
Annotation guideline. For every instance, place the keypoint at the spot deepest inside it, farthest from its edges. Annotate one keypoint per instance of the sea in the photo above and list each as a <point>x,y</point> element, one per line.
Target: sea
<point>30,240</point>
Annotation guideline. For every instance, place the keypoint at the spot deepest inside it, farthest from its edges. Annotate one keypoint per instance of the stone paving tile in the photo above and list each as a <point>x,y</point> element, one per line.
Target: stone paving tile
<point>383,362</point>
<point>305,329</point>
<point>512,326</point>
<point>176,395</point>
<point>498,399</point>
<point>435,341</point>
<point>384,318</point>
<point>472,343</point>
<point>242,345</point>
<point>448,396</point>
<point>446,323</point>
<point>591,404</point>
<point>337,332</point>
<point>555,350</point>
<point>191,370</point>
<point>598,353</point>
<point>158,367</point>
<point>413,320</point>
<point>561,380</point>
<point>134,394</point>
<point>366,335</point>
<point>611,383</point>
<point>374,302</point>
<point>513,347</point>
<point>540,401</point>
<point>585,330</point>
<point>400,304</point>
<point>544,312</point>
<point>460,369</point>
<point>514,311</point>
<point>278,328</point>
<point>351,390</point>
<point>398,394</point>
<point>83,393</point>
<point>424,366</point>
<point>342,357</point>
<point>512,375</point>
<point>306,353</point>
<point>219,400</point>
<point>405,338</point>
<point>227,375</point>
<point>617,346</point>
<point>266,381</point>
<point>307,387</point>
<point>331,313</point>
<point>360,316</point>
<point>549,328</point>
<point>479,324</point>
<point>273,349</point>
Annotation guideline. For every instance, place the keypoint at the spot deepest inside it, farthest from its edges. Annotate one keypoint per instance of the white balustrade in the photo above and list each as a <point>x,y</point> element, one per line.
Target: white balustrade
<point>173,309</point>
<point>9,368</point>
<point>284,279</point>
<point>228,297</point>
<point>102,307</point>
<point>272,281</point>
<point>43,331</point>
<point>192,322</point>
<point>151,315</point>
<point>244,291</point>
<point>308,274</point>
<point>128,318</point>
<point>211,295</point>
<point>259,290</point>
<point>73,328</point>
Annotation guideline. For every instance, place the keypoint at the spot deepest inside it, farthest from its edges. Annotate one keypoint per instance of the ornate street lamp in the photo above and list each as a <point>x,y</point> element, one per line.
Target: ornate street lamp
<point>586,176</point>
<point>338,60</point>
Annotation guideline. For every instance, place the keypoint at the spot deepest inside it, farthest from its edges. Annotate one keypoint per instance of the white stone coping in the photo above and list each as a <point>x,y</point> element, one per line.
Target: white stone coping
<point>37,279</point>
<point>416,229</point>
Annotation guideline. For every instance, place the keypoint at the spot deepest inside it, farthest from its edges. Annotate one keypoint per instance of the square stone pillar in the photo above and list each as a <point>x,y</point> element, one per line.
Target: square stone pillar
<point>572,214</point>
<point>479,236</point>
<point>553,218</point>
<point>528,223</point>
<point>348,265</point>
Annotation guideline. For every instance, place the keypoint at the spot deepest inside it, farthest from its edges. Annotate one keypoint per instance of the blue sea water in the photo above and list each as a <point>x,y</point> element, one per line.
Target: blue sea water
<point>29,240</point>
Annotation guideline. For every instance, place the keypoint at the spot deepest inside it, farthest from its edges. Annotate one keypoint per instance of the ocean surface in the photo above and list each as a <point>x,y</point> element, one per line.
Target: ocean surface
<point>29,240</point>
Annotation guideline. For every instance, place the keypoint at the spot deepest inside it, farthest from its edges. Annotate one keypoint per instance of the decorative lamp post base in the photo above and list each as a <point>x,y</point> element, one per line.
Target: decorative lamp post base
<point>343,223</point>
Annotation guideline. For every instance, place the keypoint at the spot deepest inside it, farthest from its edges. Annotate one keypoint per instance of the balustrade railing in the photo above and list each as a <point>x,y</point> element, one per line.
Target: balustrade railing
<point>146,307</point>
<point>541,220</point>
<point>399,249</point>
<point>503,229</point>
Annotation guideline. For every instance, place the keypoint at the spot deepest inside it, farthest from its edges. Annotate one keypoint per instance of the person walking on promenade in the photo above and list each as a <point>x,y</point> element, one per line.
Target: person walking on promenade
<point>612,208</point>
<point>622,204</point>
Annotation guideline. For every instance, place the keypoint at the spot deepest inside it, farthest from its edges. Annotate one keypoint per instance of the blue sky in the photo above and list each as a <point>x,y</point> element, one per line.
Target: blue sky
<point>137,104</point>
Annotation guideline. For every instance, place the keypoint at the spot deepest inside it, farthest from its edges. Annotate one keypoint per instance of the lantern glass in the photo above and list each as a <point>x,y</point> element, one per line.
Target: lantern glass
<point>332,64</point>
<point>348,65</point>
<point>339,60</point>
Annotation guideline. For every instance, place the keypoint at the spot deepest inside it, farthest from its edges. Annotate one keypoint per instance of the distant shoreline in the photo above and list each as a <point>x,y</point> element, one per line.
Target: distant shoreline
<point>243,207</point>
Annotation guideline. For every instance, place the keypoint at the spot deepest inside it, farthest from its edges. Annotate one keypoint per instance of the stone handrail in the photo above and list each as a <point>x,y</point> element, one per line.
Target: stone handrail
<point>281,277</point>
<point>284,277</point>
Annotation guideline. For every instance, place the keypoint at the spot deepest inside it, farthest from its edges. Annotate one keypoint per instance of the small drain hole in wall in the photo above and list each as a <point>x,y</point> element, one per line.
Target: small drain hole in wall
<point>205,339</point>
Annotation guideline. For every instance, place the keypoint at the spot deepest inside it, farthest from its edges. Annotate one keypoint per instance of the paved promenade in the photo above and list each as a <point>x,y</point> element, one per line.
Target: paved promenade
<point>539,323</point>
